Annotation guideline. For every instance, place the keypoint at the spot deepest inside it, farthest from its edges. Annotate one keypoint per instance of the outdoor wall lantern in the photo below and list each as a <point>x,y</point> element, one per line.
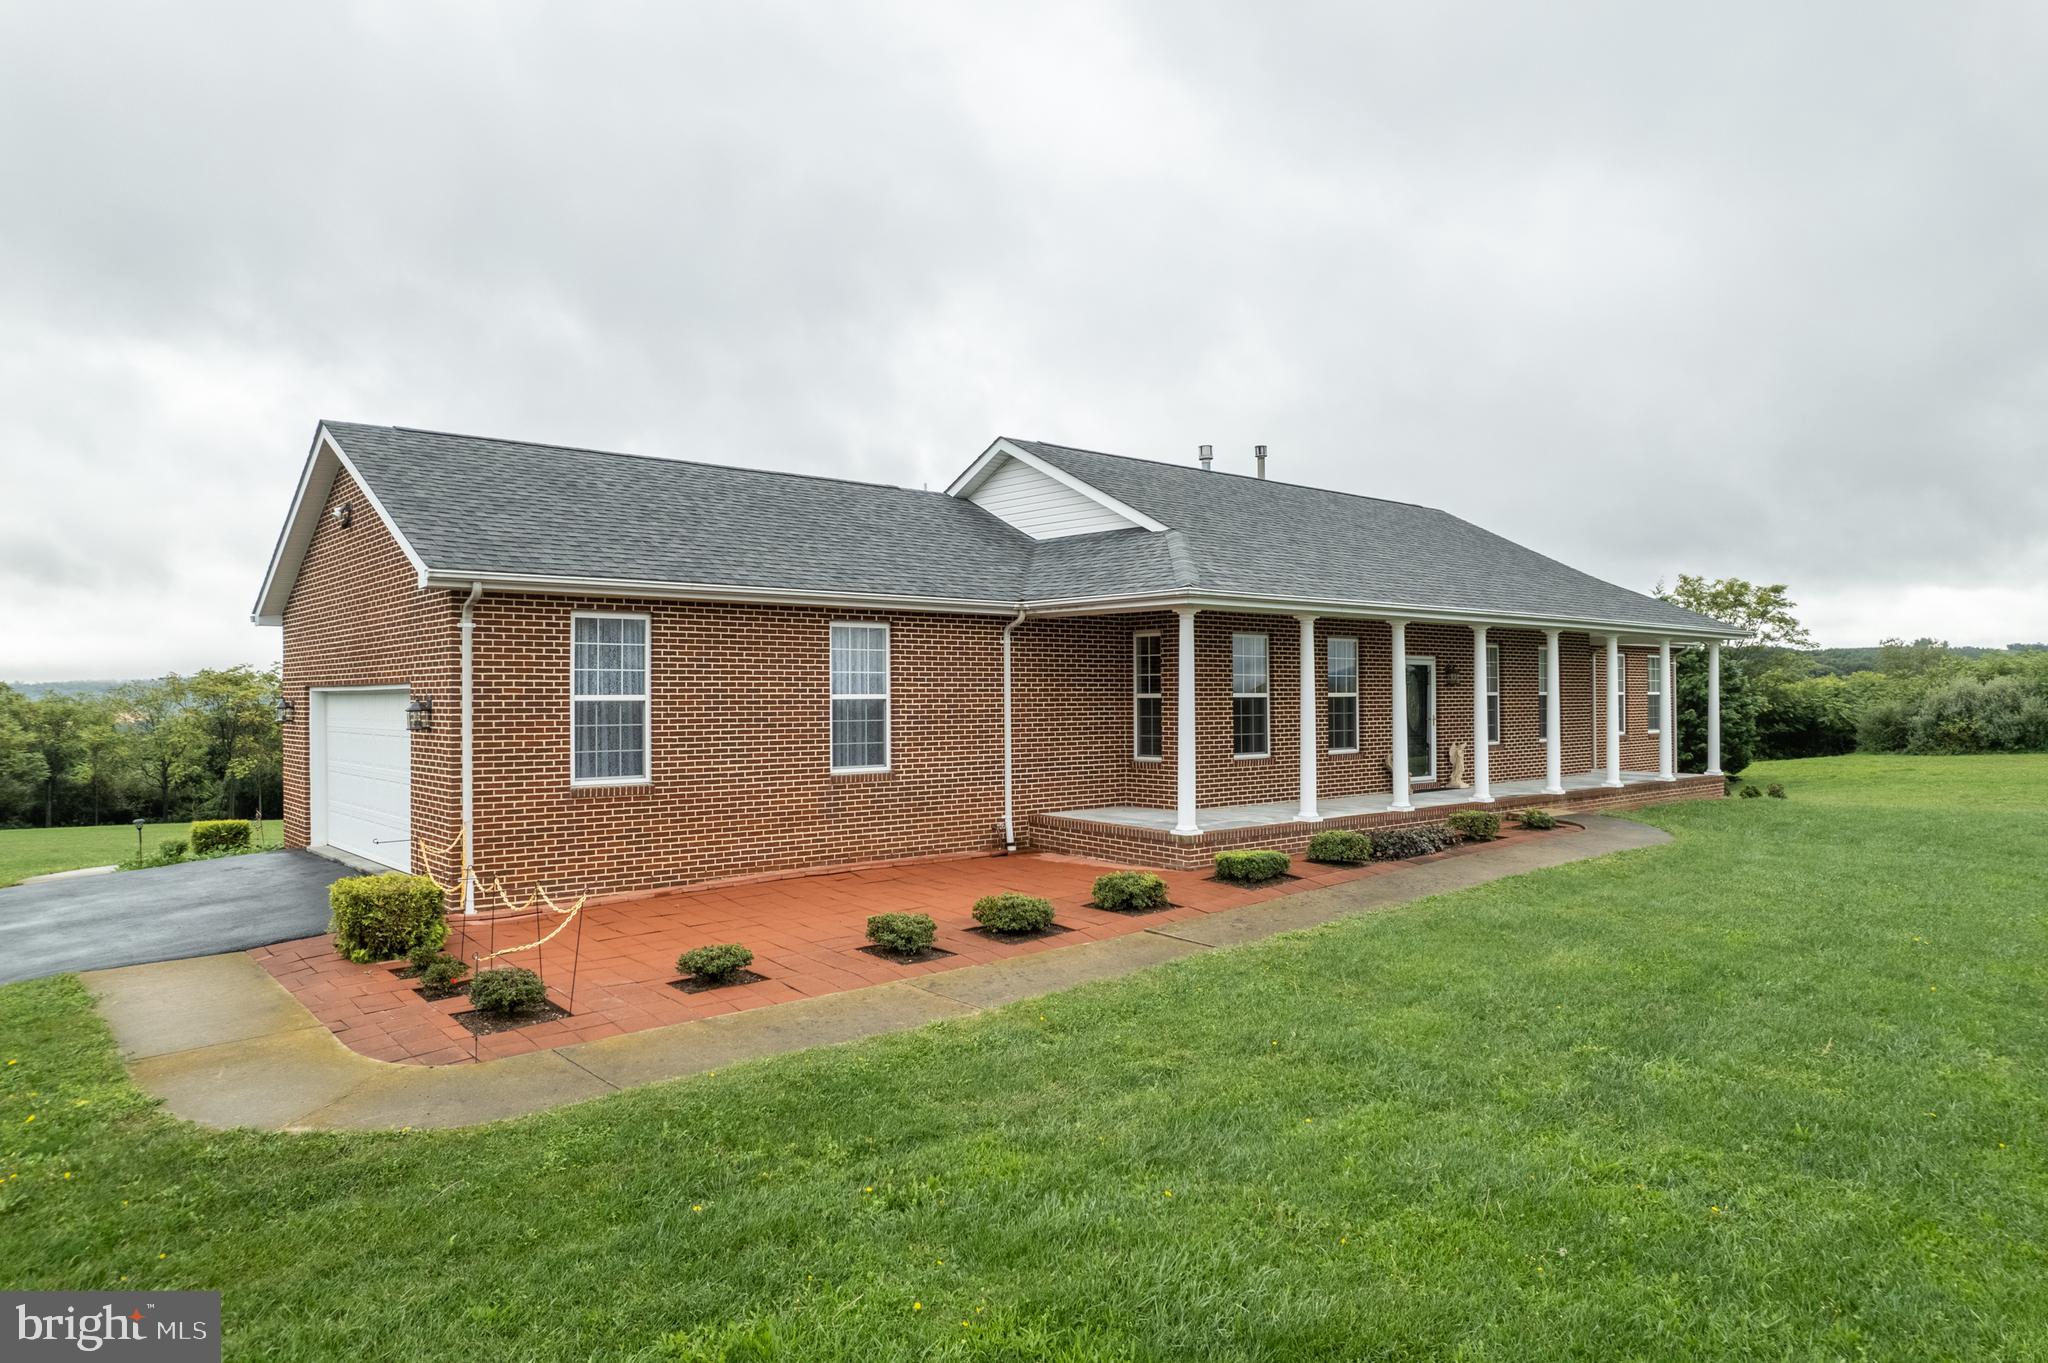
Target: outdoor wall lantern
<point>284,711</point>
<point>343,514</point>
<point>419,716</point>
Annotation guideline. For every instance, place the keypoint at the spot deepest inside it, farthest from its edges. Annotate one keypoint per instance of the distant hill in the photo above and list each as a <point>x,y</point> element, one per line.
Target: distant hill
<point>1842,661</point>
<point>36,690</point>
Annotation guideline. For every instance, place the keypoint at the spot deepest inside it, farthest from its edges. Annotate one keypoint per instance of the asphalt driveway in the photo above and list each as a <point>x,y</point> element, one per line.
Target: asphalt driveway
<point>196,908</point>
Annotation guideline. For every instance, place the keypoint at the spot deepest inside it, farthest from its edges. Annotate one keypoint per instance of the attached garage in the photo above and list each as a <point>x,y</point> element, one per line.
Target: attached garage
<point>361,769</point>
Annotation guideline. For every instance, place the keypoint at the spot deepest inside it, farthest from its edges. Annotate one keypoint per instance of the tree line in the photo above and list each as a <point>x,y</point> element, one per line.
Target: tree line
<point>1782,697</point>
<point>179,747</point>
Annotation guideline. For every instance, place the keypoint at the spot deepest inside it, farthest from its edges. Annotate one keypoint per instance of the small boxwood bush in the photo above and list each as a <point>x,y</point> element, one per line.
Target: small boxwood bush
<point>1480,825</point>
<point>1251,866</point>
<point>440,975</point>
<point>380,918</point>
<point>1398,844</point>
<point>1535,818</point>
<point>1125,890</point>
<point>507,990</point>
<point>219,835</point>
<point>1775,790</point>
<point>1010,912</point>
<point>715,962</point>
<point>906,934</point>
<point>1340,847</point>
<point>424,955</point>
<point>1751,793</point>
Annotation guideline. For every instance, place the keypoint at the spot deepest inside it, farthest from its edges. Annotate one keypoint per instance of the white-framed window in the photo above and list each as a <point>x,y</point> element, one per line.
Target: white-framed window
<point>1146,694</point>
<point>1250,696</point>
<point>1543,692</point>
<point>1620,680</point>
<point>1343,689</point>
<point>607,698</point>
<point>860,697</point>
<point>1492,693</point>
<point>1655,723</point>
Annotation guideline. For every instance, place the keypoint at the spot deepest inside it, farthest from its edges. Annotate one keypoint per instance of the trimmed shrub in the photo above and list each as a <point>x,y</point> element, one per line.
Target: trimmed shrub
<point>380,918</point>
<point>1010,912</point>
<point>1536,818</point>
<point>715,962</point>
<point>507,990</point>
<point>906,934</point>
<point>169,852</point>
<point>1130,890</point>
<point>1251,866</point>
<point>1398,844</point>
<point>1480,825</point>
<point>1340,847</point>
<point>1749,792</point>
<point>1775,791</point>
<point>219,835</point>
<point>424,955</point>
<point>440,975</point>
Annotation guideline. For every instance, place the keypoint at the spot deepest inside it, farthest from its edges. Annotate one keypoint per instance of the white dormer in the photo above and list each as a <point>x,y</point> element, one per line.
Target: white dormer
<point>1046,503</point>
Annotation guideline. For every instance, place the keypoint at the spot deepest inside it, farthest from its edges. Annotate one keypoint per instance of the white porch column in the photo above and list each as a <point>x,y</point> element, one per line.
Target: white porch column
<point>1667,730</point>
<point>1553,751</point>
<point>1184,758</point>
<point>1308,812</point>
<point>1399,629</point>
<point>1482,773</point>
<point>1713,708</point>
<point>1614,691</point>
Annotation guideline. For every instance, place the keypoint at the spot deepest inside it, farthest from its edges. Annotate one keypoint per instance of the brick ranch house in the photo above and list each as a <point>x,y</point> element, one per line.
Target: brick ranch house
<point>626,672</point>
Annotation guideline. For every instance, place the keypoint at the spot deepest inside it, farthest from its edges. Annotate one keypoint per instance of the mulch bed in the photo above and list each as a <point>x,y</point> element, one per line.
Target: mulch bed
<point>406,972</point>
<point>697,984</point>
<point>1254,884</point>
<point>436,995</point>
<point>928,954</point>
<point>1132,913</point>
<point>485,1024</point>
<point>1008,937</point>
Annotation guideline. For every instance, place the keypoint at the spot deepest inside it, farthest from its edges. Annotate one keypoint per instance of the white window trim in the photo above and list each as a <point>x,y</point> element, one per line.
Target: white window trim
<point>646,699</point>
<point>1137,695</point>
<point>887,697</point>
<point>1495,720</point>
<point>1237,695</point>
<point>1357,714</point>
<point>1652,713</point>
<point>1543,693</point>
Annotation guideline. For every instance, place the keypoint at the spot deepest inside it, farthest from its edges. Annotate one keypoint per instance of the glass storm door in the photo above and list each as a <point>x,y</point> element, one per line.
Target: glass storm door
<point>1422,719</point>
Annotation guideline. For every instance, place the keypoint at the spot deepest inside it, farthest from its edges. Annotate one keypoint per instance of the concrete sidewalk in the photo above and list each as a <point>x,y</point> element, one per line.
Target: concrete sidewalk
<point>223,1044</point>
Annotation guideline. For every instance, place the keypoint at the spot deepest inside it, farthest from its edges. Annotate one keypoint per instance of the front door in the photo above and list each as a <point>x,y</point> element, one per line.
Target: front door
<point>1422,719</point>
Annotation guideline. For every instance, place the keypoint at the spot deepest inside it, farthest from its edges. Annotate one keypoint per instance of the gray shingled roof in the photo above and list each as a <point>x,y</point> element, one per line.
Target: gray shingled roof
<point>508,508</point>
<point>1258,537</point>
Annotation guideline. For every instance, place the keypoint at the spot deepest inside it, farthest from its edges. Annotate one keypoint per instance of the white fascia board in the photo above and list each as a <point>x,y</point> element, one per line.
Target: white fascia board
<point>315,481</point>
<point>1375,610</point>
<point>725,593</point>
<point>978,473</point>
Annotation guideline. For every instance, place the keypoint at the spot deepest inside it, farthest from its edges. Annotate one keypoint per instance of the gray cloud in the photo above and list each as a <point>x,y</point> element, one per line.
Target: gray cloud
<point>1749,290</point>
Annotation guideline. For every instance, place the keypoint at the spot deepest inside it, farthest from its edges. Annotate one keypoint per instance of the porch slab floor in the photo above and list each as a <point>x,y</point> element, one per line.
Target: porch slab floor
<point>261,1057</point>
<point>1338,806</point>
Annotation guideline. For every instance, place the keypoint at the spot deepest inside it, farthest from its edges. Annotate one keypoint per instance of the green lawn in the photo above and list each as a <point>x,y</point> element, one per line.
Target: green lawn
<point>28,852</point>
<point>1777,1091</point>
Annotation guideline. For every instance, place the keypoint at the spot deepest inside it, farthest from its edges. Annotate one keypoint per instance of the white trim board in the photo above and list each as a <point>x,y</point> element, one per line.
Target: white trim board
<point>1003,452</point>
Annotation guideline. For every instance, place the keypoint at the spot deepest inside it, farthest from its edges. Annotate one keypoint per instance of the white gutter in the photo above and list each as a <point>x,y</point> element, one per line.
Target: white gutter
<point>1009,805</point>
<point>476,589</point>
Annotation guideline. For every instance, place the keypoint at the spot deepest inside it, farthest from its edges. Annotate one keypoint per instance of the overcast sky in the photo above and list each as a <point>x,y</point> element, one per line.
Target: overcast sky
<point>1756,290</point>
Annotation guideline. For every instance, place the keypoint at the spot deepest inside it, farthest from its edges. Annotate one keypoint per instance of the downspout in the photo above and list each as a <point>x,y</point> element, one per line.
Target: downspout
<point>476,589</point>
<point>1009,804</point>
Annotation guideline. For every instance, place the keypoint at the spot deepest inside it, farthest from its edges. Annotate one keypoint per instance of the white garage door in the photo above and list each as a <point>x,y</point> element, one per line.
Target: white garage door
<point>362,782</point>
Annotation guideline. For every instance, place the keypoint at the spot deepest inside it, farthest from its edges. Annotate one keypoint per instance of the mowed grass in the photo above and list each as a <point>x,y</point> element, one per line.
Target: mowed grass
<point>1775,1091</point>
<point>26,852</point>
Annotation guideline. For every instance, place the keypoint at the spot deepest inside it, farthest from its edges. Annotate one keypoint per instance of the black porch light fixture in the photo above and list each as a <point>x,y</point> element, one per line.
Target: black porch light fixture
<point>284,711</point>
<point>419,715</point>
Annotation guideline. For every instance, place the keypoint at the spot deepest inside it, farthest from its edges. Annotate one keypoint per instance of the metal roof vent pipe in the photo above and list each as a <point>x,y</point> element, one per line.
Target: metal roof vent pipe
<point>1260,452</point>
<point>1208,458</point>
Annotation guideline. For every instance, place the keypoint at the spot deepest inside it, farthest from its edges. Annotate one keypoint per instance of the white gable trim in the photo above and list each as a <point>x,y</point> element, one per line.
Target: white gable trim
<point>316,480</point>
<point>1002,451</point>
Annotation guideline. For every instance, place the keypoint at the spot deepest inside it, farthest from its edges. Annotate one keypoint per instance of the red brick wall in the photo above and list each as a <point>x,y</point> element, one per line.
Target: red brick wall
<point>356,618</point>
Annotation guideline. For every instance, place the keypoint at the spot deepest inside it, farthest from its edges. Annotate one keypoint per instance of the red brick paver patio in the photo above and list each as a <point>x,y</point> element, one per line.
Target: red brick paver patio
<point>806,933</point>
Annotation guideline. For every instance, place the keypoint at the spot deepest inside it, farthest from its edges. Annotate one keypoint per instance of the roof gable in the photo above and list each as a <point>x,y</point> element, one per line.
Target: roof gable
<point>1042,499</point>
<point>324,460</point>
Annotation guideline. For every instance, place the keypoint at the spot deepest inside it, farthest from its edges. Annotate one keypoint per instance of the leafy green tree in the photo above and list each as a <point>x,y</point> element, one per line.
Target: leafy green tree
<point>236,709</point>
<point>22,768</point>
<point>55,732</point>
<point>1922,658</point>
<point>1764,612</point>
<point>168,743</point>
<point>105,750</point>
